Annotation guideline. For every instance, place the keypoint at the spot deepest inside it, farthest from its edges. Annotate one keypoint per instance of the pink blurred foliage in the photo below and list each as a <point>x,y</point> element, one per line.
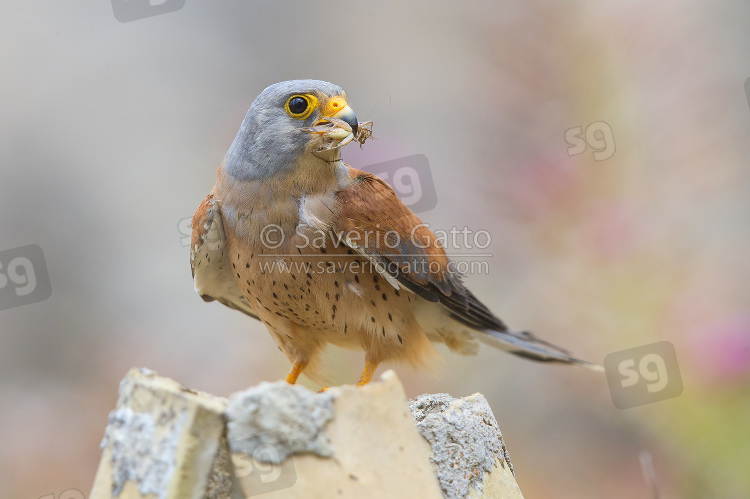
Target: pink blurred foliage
<point>719,350</point>
<point>557,194</point>
<point>612,231</point>
<point>545,183</point>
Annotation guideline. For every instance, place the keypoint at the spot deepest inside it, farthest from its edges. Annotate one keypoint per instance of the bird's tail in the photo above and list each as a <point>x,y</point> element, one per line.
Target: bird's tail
<point>526,345</point>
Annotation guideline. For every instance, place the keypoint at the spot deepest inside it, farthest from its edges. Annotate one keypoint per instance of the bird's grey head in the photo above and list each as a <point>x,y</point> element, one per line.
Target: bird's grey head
<point>271,138</point>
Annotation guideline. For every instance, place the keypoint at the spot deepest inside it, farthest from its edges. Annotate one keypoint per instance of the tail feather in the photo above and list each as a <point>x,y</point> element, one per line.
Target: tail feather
<point>526,345</point>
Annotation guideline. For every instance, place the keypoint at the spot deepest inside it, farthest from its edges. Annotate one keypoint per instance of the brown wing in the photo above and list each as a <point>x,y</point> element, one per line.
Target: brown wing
<point>212,274</point>
<point>371,219</point>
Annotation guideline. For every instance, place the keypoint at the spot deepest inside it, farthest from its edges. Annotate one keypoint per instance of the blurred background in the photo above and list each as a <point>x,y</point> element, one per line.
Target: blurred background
<point>631,233</point>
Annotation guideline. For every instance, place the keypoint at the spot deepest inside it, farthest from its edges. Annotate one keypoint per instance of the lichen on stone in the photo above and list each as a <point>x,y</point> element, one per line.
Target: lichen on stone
<point>284,418</point>
<point>139,454</point>
<point>464,437</point>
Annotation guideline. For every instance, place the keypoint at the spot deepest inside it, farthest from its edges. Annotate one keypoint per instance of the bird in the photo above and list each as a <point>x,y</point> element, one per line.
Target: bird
<point>323,253</point>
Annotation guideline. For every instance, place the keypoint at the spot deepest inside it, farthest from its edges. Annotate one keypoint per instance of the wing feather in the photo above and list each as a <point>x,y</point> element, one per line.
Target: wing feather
<point>372,220</point>
<point>412,255</point>
<point>209,262</point>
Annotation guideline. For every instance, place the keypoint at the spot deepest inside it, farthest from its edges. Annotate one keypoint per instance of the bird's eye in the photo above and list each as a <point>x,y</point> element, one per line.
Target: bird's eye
<point>297,105</point>
<point>300,106</point>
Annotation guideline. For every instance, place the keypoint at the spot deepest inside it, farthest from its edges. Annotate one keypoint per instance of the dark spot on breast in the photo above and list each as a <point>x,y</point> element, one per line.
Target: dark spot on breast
<point>336,283</point>
<point>328,295</point>
<point>346,326</point>
<point>334,309</point>
<point>349,251</point>
<point>372,319</point>
<point>234,266</point>
<point>383,332</point>
<point>274,295</point>
<point>385,297</point>
<point>247,265</point>
<point>377,286</point>
<point>374,278</point>
<point>322,250</point>
<point>285,286</point>
<point>356,278</point>
<point>397,293</point>
<point>390,318</point>
<point>337,297</point>
<point>399,339</point>
<point>309,276</point>
<point>373,303</point>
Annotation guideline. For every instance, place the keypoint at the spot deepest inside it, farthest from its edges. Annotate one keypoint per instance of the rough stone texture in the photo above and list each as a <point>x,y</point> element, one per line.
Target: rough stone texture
<point>168,442</point>
<point>375,450</point>
<point>466,446</point>
<point>221,483</point>
<point>161,440</point>
<point>287,417</point>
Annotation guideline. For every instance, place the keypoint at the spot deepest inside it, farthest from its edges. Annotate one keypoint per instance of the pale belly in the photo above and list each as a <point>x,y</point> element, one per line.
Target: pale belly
<point>311,291</point>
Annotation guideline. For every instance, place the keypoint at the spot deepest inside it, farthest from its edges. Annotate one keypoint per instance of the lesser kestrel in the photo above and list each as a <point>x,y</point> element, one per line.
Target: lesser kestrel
<point>324,253</point>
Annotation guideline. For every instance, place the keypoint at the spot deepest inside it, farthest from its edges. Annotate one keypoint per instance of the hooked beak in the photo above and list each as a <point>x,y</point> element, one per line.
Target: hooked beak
<point>337,108</point>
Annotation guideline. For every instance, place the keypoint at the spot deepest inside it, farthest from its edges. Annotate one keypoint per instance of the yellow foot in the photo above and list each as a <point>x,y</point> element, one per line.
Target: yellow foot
<point>367,373</point>
<point>322,389</point>
<point>294,373</point>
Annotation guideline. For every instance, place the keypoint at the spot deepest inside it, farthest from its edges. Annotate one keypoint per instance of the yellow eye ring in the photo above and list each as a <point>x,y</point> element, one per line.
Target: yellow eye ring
<point>300,106</point>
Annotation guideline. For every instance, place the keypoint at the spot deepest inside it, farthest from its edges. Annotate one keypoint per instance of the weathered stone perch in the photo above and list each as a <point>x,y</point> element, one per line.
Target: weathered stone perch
<point>166,441</point>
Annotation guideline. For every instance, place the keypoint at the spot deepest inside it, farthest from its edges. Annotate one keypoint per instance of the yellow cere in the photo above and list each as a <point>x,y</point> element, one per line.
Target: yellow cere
<point>334,105</point>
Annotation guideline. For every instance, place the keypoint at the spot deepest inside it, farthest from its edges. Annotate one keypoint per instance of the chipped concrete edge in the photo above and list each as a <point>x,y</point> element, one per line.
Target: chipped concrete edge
<point>191,438</point>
